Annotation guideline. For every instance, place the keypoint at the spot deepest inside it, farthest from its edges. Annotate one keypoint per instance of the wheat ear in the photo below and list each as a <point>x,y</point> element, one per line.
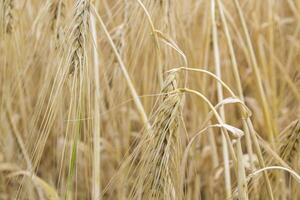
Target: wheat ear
<point>158,167</point>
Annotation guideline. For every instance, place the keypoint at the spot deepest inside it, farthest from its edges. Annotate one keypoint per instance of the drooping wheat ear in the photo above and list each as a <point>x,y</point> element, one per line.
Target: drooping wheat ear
<point>288,150</point>
<point>289,143</point>
<point>158,167</point>
<point>79,35</point>
<point>8,6</point>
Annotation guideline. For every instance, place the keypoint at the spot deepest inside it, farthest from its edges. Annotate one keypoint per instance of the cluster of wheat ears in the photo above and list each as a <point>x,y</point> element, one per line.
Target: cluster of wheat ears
<point>150,99</point>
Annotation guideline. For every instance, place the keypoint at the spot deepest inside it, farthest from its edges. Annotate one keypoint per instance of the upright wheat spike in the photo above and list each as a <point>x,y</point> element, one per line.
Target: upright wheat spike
<point>78,38</point>
<point>79,69</point>
<point>79,34</point>
<point>8,6</point>
<point>57,10</point>
<point>157,169</point>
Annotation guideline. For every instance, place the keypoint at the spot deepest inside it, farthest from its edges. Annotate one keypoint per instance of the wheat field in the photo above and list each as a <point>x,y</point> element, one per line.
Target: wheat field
<point>150,99</point>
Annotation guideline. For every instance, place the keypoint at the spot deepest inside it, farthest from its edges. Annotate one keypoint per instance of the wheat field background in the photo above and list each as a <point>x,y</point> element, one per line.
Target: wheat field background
<point>150,99</point>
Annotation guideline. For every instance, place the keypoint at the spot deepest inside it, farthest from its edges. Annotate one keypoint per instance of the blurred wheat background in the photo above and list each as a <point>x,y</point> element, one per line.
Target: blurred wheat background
<point>149,99</point>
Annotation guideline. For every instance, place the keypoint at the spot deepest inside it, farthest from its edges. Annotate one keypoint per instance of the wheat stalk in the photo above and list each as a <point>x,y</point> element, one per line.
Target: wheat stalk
<point>79,70</point>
